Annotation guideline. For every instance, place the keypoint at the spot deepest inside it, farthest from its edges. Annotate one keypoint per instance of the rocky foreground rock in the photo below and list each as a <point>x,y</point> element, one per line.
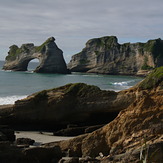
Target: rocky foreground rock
<point>49,55</point>
<point>106,56</point>
<point>135,135</point>
<point>79,104</point>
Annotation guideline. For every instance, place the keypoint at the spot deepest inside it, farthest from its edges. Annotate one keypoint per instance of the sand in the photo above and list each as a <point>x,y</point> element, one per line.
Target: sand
<point>40,137</point>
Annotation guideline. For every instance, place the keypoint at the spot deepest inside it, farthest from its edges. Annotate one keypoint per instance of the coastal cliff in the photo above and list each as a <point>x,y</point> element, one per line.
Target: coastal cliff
<point>106,56</point>
<point>135,135</point>
<point>49,55</point>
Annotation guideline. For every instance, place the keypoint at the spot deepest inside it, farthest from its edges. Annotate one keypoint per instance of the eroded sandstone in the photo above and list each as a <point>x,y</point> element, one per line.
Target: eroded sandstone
<point>137,128</point>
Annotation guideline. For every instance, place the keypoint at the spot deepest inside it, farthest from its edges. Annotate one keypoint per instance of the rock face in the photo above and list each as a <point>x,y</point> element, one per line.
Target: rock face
<point>49,55</point>
<point>136,130</point>
<point>105,55</point>
<point>78,103</point>
<point>11,153</point>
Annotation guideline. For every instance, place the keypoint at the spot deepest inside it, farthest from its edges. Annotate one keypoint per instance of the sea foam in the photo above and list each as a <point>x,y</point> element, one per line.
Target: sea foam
<point>10,99</point>
<point>123,83</point>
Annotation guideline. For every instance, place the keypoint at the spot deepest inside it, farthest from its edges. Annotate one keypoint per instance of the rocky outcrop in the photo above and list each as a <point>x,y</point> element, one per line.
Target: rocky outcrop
<point>49,55</point>
<point>6,134</point>
<point>78,104</point>
<point>11,153</point>
<point>106,56</point>
<point>136,133</point>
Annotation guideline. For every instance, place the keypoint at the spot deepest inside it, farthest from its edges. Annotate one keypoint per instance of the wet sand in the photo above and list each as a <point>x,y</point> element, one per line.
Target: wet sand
<point>40,137</point>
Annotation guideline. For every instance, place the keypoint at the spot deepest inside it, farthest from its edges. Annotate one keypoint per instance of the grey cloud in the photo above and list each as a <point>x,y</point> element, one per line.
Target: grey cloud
<point>73,22</point>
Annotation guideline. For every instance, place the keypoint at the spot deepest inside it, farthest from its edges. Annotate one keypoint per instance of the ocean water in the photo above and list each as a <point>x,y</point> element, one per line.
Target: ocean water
<point>18,85</point>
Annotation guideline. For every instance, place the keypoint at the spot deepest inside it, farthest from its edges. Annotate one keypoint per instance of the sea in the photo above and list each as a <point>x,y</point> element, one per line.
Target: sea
<point>18,85</point>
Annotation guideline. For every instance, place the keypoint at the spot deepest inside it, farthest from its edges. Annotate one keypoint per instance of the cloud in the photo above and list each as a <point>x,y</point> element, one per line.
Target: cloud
<point>73,22</point>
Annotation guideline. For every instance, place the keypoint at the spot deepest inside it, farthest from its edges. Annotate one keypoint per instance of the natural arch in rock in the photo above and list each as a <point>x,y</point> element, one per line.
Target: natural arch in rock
<point>33,64</point>
<point>49,55</point>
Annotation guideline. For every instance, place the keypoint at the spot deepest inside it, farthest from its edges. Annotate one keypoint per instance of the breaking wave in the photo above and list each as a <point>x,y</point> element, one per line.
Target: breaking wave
<point>10,99</point>
<point>123,83</point>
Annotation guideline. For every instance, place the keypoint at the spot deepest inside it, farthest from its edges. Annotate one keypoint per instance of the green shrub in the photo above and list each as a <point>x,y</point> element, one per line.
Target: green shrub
<point>154,79</point>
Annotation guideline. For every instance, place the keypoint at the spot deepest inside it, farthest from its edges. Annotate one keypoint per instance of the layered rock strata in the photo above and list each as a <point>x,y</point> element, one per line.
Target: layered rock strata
<point>135,134</point>
<point>49,55</point>
<point>78,104</point>
<point>106,56</point>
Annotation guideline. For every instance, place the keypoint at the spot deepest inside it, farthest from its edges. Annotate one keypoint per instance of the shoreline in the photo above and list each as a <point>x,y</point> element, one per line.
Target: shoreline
<point>40,137</point>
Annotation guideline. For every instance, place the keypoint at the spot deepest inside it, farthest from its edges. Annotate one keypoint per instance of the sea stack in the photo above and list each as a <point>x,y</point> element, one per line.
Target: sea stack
<point>106,56</point>
<point>49,55</point>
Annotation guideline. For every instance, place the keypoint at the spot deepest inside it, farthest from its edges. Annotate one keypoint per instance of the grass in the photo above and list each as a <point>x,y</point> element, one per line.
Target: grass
<point>145,65</point>
<point>40,48</point>
<point>12,54</point>
<point>154,79</point>
<point>155,47</point>
<point>40,96</point>
<point>81,89</point>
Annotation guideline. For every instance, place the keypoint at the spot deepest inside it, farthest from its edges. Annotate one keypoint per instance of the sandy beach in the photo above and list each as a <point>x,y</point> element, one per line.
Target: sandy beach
<point>40,137</point>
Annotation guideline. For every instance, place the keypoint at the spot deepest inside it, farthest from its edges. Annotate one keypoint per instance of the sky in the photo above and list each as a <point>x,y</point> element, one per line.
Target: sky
<point>74,22</point>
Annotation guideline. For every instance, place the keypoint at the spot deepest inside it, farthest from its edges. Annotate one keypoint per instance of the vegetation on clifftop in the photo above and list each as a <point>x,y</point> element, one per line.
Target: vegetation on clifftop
<point>154,79</point>
<point>81,89</point>
<point>14,51</point>
<point>41,47</point>
<point>155,47</point>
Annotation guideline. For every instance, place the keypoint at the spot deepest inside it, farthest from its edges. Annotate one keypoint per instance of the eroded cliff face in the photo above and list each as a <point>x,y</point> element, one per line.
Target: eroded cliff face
<point>105,55</point>
<point>49,55</point>
<point>70,104</point>
<point>137,128</point>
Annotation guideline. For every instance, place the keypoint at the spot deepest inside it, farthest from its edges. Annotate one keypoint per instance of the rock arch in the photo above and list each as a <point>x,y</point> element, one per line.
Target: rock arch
<point>49,55</point>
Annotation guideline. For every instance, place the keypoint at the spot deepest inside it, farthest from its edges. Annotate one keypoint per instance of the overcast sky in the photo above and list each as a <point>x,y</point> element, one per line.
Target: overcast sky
<point>73,22</point>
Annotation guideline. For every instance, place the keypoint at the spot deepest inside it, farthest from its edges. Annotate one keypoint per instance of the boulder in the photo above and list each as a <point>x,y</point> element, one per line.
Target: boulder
<point>74,131</point>
<point>6,133</point>
<point>106,56</point>
<point>11,153</point>
<point>25,141</point>
<point>43,155</point>
<point>78,103</point>
<point>70,131</point>
<point>49,55</point>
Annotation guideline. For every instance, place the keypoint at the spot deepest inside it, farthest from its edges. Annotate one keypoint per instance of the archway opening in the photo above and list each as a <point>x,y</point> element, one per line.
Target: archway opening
<point>33,64</point>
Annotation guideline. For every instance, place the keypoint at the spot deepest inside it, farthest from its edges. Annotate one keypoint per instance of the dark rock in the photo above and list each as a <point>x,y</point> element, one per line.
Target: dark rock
<point>88,159</point>
<point>106,56</point>
<point>13,154</point>
<point>6,133</point>
<point>70,160</point>
<point>80,104</point>
<point>50,57</point>
<point>43,155</point>
<point>92,128</point>
<point>70,131</point>
<point>136,127</point>
<point>25,141</point>
<point>75,131</point>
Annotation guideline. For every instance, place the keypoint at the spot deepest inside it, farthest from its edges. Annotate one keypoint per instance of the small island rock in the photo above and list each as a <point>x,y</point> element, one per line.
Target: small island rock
<point>49,55</point>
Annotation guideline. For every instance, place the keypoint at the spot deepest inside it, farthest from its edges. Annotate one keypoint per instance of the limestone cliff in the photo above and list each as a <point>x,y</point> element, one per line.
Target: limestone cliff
<point>105,55</point>
<point>49,55</point>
